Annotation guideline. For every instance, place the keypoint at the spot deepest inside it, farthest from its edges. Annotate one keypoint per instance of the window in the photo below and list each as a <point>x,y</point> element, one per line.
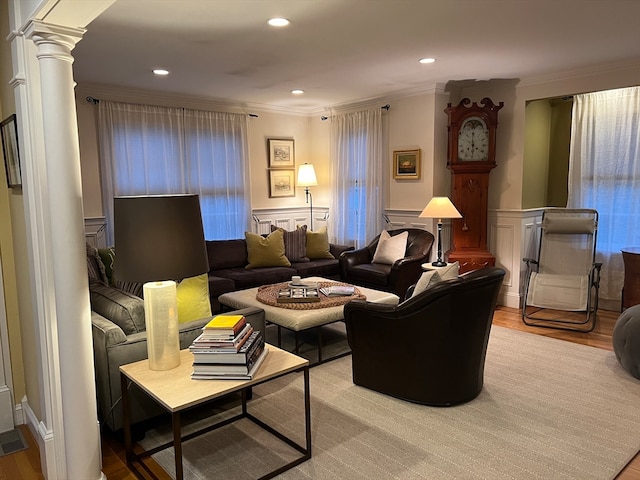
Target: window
<point>357,166</point>
<point>148,150</point>
<point>604,174</point>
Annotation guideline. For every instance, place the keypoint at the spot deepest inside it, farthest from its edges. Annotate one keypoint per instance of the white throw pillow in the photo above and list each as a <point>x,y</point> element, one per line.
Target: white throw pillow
<point>390,248</point>
<point>429,278</point>
<point>449,272</point>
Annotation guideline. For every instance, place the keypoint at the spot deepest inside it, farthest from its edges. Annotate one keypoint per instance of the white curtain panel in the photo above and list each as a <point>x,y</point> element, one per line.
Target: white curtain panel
<point>604,174</point>
<point>357,177</point>
<point>152,150</point>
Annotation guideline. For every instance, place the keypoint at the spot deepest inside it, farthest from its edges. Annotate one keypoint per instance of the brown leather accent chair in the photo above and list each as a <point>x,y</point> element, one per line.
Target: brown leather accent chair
<point>356,266</point>
<point>431,348</point>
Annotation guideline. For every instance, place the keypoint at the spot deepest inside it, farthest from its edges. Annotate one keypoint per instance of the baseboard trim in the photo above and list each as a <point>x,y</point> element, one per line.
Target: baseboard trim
<point>509,299</point>
<point>45,440</point>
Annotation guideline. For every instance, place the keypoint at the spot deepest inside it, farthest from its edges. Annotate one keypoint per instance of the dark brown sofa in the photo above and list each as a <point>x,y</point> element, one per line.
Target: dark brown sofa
<point>227,272</point>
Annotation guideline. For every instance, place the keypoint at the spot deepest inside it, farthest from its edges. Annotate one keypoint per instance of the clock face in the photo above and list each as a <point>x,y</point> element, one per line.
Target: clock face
<point>473,140</point>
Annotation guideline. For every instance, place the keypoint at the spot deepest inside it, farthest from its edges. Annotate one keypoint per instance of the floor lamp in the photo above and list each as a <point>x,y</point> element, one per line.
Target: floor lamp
<point>440,207</point>
<point>307,178</point>
<point>158,240</point>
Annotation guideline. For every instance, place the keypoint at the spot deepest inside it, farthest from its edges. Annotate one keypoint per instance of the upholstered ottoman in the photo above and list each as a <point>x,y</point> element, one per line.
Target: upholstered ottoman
<point>626,340</point>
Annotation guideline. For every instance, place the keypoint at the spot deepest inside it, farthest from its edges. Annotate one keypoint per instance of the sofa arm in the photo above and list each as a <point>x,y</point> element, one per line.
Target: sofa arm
<point>350,259</point>
<point>336,250</point>
<point>356,257</point>
<point>406,272</point>
<point>411,260</point>
<point>105,332</point>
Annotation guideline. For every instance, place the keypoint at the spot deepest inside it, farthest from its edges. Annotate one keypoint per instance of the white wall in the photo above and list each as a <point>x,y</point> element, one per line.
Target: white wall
<point>418,121</point>
<point>509,224</point>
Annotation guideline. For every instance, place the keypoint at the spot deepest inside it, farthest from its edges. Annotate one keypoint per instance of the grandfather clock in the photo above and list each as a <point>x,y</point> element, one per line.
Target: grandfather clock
<point>471,155</point>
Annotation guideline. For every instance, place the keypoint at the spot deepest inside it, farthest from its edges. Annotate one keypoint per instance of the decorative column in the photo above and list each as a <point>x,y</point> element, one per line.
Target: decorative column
<point>72,351</point>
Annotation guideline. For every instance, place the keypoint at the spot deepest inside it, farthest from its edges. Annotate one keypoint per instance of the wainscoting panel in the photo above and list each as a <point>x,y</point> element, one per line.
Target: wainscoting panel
<point>510,241</point>
<point>287,218</point>
<point>501,244</point>
<point>95,231</point>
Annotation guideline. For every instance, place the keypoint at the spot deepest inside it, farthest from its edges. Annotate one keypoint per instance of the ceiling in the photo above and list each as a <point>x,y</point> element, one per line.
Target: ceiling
<point>346,51</point>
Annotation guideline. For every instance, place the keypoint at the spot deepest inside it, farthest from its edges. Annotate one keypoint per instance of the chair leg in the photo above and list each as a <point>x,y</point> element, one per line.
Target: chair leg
<point>585,326</point>
<point>319,344</point>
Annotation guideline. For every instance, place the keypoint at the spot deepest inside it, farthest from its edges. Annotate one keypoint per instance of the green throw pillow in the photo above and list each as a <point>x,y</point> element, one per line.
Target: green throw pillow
<point>108,255</point>
<point>318,244</point>
<point>193,298</point>
<point>266,251</point>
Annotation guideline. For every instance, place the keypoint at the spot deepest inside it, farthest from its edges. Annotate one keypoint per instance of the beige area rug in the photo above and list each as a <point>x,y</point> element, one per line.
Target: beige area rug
<point>549,410</point>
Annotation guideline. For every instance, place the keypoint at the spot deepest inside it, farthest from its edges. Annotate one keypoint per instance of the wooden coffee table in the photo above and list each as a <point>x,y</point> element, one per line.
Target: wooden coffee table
<point>176,392</point>
<point>300,320</point>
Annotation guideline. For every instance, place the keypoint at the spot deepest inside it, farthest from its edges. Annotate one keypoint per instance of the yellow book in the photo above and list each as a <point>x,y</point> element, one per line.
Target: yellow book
<point>224,321</point>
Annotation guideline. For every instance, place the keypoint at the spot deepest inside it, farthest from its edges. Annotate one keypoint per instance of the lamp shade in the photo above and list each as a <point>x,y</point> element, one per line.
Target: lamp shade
<point>159,238</point>
<point>307,176</point>
<point>440,207</point>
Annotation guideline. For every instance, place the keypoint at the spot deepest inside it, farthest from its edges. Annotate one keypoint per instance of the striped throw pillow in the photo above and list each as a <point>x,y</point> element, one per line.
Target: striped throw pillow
<point>295,243</point>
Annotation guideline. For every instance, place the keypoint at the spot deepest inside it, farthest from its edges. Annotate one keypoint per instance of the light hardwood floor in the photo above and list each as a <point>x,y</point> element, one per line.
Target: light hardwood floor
<point>25,465</point>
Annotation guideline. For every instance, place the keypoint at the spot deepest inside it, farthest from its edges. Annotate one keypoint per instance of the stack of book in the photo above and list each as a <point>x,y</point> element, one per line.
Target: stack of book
<point>338,290</point>
<point>228,348</point>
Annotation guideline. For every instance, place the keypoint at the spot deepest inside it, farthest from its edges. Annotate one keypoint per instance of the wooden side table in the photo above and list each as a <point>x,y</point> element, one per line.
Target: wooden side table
<point>631,288</point>
<point>176,392</point>
<point>427,266</point>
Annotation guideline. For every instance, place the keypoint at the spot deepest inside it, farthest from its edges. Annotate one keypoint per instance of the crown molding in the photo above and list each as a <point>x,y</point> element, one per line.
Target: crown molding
<point>155,97</point>
<point>627,65</point>
<point>169,99</point>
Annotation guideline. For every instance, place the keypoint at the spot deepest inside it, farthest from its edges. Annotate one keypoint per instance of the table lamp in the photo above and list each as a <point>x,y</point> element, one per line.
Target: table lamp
<point>307,178</point>
<point>440,207</point>
<point>159,240</point>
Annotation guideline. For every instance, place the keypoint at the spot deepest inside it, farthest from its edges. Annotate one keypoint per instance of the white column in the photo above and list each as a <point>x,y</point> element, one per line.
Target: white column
<point>81,444</point>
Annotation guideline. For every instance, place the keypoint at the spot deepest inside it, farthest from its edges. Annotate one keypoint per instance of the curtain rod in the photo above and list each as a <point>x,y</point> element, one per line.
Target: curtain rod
<point>384,107</point>
<point>96,101</point>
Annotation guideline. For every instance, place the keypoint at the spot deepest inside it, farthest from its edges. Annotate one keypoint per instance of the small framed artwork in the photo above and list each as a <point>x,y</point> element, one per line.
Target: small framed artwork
<point>282,183</point>
<point>281,153</point>
<point>9,131</point>
<point>406,164</point>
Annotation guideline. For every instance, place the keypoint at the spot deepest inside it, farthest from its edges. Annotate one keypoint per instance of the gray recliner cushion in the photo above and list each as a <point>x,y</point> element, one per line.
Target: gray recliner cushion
<point>122,308</point>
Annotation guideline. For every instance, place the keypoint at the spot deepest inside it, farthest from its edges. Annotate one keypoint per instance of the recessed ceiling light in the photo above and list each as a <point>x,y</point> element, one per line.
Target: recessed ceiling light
<point>297,91</point>
<point>161,71</point>
<point>427,60</point>
<point>278,22</point>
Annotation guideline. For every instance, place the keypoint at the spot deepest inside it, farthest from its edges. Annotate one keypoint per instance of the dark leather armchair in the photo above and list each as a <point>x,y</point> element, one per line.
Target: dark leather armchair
<point>356,266</point>
<point>431,348</point>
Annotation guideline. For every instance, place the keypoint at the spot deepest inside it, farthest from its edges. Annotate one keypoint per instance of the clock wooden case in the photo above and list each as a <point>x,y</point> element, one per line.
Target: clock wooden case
<point>471,155</point>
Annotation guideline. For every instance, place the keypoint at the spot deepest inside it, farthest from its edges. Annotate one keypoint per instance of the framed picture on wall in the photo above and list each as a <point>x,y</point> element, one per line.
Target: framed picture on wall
<point>282,183</point>
<point>406,164</point>
<point>281,153</point>
<point>9,131</point>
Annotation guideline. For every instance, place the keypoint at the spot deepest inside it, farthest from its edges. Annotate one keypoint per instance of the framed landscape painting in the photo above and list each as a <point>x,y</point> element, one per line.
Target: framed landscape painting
<point>281,153</point>
<point>282,183</point>
<point>406,164</point>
